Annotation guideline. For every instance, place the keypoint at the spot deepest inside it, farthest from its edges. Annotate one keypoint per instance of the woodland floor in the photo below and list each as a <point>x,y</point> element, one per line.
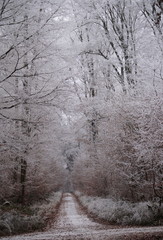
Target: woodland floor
<point>73,224</point>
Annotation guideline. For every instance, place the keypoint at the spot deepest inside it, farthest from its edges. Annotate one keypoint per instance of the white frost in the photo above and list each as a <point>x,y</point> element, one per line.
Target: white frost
<point>74,224</point>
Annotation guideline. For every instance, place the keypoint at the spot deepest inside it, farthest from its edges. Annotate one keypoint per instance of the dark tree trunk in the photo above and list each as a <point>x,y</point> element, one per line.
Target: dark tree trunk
<point>23,179</point>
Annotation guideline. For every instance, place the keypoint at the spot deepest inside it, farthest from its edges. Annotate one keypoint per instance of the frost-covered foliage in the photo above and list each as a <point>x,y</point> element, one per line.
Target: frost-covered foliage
<point>44,210</point>
<point>81,98</point>
<point>119,86</point>
<point>126,159</point>
<point>29,145</point>
<point>14,223</point>
<point>16,219</point>
<point>122,212</point>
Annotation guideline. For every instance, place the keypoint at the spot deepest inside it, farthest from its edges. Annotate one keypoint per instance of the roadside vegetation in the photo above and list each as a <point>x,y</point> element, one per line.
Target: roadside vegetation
<point>16,219</point>
<point>122,212</point>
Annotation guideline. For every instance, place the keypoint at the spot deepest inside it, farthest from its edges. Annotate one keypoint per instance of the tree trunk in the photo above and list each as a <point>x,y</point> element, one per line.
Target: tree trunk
<point>23,179</point>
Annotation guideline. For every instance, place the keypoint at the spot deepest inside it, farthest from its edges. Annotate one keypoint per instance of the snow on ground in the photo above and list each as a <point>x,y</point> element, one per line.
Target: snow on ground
<point>73,224</point>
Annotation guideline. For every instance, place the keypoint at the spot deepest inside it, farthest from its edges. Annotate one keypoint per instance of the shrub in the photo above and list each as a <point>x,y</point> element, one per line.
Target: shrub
<point>15,219</point>
<point>122,212</point>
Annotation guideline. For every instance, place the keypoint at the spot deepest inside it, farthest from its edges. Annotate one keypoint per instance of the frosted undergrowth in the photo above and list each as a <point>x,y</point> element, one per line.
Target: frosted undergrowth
<point>14,220</point>
<point>43,209</point>
<point>122,212</point>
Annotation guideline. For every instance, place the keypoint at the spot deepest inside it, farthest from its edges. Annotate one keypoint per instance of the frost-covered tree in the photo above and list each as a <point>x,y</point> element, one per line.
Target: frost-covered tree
<point>81,89</point>
<point>30,83</point>
<point>126,71</point>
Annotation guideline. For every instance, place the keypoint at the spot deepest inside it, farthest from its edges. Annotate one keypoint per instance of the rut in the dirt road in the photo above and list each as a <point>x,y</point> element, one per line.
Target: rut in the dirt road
<point>72,217</point>
<point>73,224</point>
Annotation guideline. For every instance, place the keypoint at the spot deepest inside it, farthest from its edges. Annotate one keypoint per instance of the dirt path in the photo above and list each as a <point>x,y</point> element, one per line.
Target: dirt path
<point>73,224</point>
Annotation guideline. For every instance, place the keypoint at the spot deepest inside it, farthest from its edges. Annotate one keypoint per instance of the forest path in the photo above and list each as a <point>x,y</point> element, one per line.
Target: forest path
<point>73,224</point>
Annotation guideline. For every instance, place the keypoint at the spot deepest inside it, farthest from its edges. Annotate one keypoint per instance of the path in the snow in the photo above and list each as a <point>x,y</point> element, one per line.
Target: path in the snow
<point>73,224</point>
